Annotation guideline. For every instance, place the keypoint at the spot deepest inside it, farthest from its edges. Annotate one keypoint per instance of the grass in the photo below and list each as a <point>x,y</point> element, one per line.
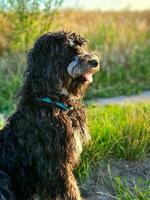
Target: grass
<point>2,121</point>
<point>136,192</point>
<point>119,131</point>
<point>118,78</point>
<point>11,75</point>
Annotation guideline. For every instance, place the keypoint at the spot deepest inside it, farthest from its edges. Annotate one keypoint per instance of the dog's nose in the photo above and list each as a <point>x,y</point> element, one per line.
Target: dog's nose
<point>93,63</point>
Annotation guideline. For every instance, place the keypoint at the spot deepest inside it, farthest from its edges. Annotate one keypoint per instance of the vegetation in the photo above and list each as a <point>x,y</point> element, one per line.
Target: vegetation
<point>119,131</point>
<point>121,37</point>
<point>11,70</point>
<point>136,192</point>
<point>26,20</point>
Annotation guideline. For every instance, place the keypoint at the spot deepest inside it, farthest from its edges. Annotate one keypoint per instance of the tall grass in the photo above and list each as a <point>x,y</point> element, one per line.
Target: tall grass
<point>123,190</point>
<point>6,29</point>
<point>126,77</point>
<point>29,20</point>
<point>11,76</point>
<point>121,37</point>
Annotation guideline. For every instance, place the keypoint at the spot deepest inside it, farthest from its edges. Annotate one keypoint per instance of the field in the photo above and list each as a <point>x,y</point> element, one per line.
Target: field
<point>121,38</point>
<point>116,163</point>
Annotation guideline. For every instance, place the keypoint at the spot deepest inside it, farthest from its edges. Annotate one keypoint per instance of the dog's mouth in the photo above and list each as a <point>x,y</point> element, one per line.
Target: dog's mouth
<point>88,75</point>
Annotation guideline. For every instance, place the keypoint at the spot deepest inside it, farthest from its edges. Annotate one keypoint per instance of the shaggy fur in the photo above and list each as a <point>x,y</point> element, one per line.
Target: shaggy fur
<point>41,143</point>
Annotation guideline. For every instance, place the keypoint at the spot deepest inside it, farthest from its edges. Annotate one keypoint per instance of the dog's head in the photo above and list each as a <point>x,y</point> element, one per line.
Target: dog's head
<point>59,62</point>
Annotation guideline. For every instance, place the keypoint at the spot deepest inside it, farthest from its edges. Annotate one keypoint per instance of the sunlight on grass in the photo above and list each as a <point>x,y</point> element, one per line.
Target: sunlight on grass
<point>120,131</point>
<point>133,191</point>
<point>2,121</point>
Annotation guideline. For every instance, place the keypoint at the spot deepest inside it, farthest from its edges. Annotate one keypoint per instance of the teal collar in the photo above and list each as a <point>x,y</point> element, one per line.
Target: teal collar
<point>61,105</point>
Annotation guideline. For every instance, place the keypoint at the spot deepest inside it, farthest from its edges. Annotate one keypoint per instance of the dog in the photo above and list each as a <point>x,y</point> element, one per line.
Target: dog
<point>41,143</point>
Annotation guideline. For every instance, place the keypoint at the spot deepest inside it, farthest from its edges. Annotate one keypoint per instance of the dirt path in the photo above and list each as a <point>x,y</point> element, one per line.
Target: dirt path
<point>100,184</point>
<point>142,97</point>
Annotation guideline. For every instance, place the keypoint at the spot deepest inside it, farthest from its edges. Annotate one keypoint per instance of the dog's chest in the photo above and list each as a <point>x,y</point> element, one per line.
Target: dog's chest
<point>72,126</point>
<point>78,142</point>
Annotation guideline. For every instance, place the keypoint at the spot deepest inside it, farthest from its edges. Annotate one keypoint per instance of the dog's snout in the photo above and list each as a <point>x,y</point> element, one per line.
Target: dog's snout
<point>93,63</point>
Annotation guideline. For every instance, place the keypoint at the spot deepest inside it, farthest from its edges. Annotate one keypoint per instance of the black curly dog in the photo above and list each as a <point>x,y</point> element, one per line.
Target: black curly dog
<point>41,142</point>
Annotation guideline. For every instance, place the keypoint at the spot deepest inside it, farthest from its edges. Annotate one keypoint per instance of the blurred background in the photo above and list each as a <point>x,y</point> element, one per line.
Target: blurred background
<point>118,29</point>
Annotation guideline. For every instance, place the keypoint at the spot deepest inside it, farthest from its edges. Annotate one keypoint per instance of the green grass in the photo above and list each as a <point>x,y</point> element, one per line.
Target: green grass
<point>123,190</point>
<point>11,75</point>
<point>2,121</point>
<point>119,131</point>
<point>126,77</point>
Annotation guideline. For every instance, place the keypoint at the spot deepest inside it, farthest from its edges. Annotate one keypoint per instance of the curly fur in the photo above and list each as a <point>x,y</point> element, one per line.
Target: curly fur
<point>41,144</point>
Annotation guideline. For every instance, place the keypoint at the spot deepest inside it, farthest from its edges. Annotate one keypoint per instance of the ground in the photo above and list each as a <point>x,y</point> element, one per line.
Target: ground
<point>100,184</point>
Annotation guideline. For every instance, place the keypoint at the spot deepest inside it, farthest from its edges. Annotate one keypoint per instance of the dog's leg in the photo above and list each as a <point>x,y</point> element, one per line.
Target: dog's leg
<point>70,189</point>
<point>5,185</point>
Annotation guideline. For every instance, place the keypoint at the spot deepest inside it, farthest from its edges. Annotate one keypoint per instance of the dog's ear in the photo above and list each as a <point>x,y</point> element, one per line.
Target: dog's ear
<point>42,65</point>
